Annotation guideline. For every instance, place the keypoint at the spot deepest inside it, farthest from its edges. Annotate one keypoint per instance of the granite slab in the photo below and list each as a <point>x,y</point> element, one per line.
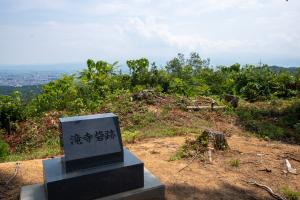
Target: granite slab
<point>94,182</point>
<point>153,190</point>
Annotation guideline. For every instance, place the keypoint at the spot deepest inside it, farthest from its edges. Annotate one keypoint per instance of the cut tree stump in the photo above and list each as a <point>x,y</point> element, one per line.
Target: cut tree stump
<point>232,100</point>
<point>218,138</point>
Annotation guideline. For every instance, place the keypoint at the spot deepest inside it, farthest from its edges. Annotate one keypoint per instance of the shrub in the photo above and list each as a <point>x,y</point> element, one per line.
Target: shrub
<point>11,110</point>
<point>270,130</point>
<point>297,127</point>
<point>4,148</point>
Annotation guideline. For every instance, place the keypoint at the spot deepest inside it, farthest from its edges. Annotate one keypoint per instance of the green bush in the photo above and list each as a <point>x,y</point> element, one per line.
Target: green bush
<point>275,119</point>
<point>4,148</point>
<point>270,130</point>
<point>297,127</point>
<point>11,110</point>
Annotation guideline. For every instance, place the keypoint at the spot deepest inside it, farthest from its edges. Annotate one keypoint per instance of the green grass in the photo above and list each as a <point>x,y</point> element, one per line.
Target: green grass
<point>184,152</point>
<point>234,163</point>
<point>290,194</point>
<point>178,155</point>
<point>43,152</point>
<point>130,136</point>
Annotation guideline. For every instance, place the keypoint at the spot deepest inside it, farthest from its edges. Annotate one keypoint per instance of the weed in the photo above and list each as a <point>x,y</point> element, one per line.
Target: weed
<point>140,120</point>
<point>290,194</point>
<point>52,138</point>
<point>43,152</point>
<point>165,110</point>
<point>130,136</point>
<point>235,163</point>
<point>178,155</point>
<point>185,152</point>
<point>192,147</point>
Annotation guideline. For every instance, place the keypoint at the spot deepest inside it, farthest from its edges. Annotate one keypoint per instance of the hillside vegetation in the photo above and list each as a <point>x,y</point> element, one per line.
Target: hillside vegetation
<point>269,103</point>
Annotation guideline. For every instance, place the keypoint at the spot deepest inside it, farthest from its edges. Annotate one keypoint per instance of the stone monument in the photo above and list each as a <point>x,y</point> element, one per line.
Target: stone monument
<point>95,166</point>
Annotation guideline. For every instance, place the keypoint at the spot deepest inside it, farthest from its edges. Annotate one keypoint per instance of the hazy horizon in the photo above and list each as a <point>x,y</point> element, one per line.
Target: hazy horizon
<point>72,67</point>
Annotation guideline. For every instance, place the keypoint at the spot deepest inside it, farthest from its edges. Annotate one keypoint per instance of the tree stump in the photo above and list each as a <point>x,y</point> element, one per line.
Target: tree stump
<point>232,100</point>
<point>217,138</point>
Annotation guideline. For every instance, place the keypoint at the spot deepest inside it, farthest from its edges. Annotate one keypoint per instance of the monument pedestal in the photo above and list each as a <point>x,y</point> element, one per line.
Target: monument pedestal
<point>152,190</point>
<point>92,182</point>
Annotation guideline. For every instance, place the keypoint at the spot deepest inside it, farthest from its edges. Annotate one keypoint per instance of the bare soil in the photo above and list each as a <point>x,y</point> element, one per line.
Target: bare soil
<point>200,180</point>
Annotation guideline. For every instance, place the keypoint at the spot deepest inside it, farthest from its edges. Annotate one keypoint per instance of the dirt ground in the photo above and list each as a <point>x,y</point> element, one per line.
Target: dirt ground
<point>200,180</point>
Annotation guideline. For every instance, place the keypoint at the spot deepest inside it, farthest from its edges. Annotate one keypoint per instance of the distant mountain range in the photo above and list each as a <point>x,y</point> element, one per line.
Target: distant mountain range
<point>292,70</point>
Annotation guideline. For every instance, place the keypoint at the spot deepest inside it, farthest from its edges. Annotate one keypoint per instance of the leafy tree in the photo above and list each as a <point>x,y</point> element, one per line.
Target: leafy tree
<point>10,110</point>
<point>98,76</point>
<point>139,72</point>
<point>255,83</point>
<point>285,84</point>
<point>178,86</point>
<point>175,66</point>
<point>197,63</point>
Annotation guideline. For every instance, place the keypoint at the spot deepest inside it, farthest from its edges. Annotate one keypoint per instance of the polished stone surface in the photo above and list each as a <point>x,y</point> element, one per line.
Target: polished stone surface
<point>91,140</point>
<point>93,182</point>
<point>152,190</point>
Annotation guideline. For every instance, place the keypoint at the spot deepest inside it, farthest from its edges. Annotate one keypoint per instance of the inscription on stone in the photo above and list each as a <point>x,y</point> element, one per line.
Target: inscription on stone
<point>90,136</point>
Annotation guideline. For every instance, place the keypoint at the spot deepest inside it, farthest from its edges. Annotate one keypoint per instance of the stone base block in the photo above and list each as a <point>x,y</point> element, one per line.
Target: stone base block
<point>91,183</point>
<point>152,190</point>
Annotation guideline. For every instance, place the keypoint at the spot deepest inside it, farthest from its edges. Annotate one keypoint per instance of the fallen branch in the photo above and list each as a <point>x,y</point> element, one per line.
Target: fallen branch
<point>267,188</point>
<point>290,156</point>
<point>15,174</point>
<point>205,107</point>
<point>294,159</point>
<point>265,170</point>
<point>190,162</point>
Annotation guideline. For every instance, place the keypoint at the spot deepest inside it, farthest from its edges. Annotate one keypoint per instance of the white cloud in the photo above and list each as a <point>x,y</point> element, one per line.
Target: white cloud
<point>150,28</point>
<point>72,30</point>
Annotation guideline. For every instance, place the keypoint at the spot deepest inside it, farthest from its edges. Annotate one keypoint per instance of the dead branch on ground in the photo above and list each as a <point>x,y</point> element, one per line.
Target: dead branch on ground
<point>267,188</point>
<point>190,162</point>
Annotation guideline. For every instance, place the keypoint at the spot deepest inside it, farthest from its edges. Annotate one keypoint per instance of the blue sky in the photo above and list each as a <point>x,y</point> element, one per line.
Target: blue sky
<point>227,31</point>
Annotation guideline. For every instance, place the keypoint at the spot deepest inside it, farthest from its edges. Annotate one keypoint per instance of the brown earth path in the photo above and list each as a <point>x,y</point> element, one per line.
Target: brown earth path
<point>200,180</point>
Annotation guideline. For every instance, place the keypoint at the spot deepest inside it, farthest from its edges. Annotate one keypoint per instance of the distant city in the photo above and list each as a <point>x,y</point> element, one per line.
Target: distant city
<point>30,75</point>
<point>19,79</point>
